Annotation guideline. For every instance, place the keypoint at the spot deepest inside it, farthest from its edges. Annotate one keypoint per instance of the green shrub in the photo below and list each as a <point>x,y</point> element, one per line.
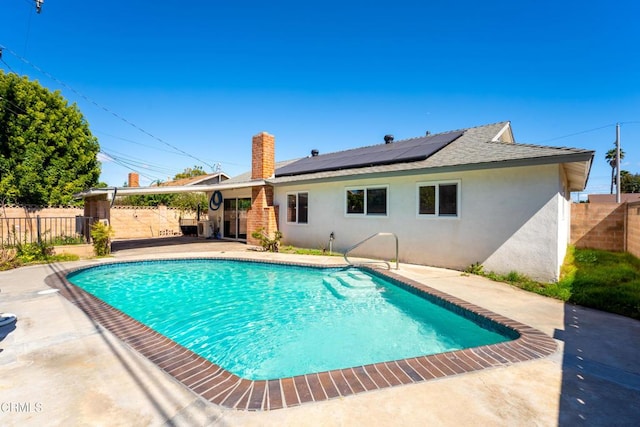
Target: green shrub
<point>30,252</point>
<point>475,268</point>
<point>101,235</point>
<point>267,243</point>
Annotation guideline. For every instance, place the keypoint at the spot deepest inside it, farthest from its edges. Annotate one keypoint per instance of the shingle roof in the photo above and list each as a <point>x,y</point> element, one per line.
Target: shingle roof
<point>195,180</point>
<point>246,177</point>
<point>479,147</point>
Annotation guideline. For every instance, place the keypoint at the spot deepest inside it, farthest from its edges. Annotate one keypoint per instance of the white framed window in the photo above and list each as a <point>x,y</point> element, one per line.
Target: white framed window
<point>298,207</point>
<point>438,199</point>
<point>367,201</point>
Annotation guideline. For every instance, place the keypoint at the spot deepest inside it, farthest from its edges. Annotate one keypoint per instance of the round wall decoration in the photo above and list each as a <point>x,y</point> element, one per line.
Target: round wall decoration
<point>215,201</point>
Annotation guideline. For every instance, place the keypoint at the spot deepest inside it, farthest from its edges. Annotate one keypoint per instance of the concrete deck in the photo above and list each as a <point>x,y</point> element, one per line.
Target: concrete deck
<point>58,367</point>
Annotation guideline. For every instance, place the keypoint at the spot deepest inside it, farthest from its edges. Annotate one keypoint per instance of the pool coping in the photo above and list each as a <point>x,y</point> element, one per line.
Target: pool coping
<point>223,388</point>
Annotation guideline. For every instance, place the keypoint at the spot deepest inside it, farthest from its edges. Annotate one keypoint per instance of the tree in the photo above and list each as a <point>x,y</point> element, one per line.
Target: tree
<point>610,157</point>
<point>183,201</point>
<point>190,201</point>
<point>47,152</point>
<point>629,183</point>
<point>190,173</point>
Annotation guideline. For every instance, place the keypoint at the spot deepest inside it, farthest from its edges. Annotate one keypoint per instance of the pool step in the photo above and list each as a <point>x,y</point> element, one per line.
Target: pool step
<point>349,284</point>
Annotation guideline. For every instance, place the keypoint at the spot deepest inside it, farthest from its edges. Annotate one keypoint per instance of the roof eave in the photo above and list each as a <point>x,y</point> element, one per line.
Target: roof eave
<point>576,180</point>
<point>132,191</point>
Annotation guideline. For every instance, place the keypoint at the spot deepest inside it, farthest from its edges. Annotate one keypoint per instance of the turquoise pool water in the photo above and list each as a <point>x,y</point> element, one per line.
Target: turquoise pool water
<point>266,321</point>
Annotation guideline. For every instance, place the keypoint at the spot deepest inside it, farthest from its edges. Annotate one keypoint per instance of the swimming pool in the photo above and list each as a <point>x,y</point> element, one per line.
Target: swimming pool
<point>264,321</point>
<point>221,387</point>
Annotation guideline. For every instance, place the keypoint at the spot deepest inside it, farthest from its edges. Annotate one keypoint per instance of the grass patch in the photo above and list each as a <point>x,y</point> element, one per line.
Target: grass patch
<point>607,281</point>
<point>31,253</point>
<point>553,289</point>
<point>306,251</point>
<point>67,240</point>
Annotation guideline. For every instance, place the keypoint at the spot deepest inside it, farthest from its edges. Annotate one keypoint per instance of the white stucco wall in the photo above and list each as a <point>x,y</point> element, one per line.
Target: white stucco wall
<point>564,219</point>
<point>509,219</point>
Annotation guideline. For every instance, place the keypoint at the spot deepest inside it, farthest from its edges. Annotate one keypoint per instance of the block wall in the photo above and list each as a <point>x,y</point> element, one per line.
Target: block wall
<point>598,226</point>
<point>131,222</point>
<point>633,229</point>
<point>127,221</point>
<point>20,222</point>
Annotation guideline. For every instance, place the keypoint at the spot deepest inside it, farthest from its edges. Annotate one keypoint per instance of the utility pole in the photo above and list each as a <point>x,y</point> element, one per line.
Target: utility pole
<point>617,162</point>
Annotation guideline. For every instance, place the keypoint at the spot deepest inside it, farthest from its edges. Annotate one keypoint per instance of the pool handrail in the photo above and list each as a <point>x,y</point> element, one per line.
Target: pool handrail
<point>374,262</point>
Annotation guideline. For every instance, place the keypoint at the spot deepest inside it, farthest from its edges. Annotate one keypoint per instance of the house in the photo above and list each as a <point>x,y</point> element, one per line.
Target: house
<point>453,199</point>
<point>133,180</point>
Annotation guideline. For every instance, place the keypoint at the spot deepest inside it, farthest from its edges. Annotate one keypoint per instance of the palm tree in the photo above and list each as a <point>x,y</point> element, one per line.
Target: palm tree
<point>610,157</point>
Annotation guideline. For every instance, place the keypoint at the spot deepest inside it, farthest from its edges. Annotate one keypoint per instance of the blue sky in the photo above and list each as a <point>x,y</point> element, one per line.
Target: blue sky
<point>204,77</point>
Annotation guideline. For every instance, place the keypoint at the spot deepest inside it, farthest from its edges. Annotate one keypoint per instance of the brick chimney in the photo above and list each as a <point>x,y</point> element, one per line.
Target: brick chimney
<point>262,215</point>
<point>262,156</point>
<point>134,179</point>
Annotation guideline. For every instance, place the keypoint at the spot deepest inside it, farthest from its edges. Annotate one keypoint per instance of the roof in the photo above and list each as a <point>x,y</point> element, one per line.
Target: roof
<point>410,150</point>
<point>482,147</point>
<point>211,178</point>
<point>112,192</point>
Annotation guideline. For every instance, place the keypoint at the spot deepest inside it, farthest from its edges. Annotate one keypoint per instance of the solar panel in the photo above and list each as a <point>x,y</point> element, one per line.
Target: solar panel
<point>382,154</point>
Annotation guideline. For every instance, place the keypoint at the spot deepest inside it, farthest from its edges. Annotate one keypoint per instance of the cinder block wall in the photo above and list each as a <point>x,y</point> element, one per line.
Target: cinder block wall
<point>127,221</point>
<point>598,226</point>
<point>633,229</point>
<point>33,211</point>
<point>26,228</point>
<point>130,222</point>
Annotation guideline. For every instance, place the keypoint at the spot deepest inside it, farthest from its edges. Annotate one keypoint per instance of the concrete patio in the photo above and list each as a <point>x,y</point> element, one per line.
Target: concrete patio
<point>58,367</point>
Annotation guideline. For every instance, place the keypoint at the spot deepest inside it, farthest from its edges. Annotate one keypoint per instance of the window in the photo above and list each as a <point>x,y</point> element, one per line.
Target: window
<point>355,201</point>
<point>297,207</point>
<point>367,201</point>
<point>438,199</point>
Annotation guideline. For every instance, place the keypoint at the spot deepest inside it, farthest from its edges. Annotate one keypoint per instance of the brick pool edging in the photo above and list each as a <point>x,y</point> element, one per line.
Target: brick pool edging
<point>223,388</point>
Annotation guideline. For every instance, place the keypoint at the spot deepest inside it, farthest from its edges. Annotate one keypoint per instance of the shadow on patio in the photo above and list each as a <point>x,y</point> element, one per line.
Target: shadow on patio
<point>600,369</point>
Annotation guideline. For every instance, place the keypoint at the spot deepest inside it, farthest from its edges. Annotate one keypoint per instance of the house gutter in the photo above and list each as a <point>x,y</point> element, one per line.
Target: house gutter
<point>360,173</point>
<point>110,192</point>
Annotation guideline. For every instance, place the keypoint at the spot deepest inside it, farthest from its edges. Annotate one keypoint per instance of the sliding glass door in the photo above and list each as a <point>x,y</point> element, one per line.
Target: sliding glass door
<point>235,218</point>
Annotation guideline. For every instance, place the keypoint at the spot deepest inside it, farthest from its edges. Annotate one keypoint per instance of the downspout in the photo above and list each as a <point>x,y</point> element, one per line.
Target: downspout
<point>113,197</point>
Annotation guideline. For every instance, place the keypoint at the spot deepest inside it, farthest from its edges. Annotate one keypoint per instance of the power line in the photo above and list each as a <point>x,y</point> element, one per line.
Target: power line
<point>589,130</point>
<point>577,133</point>
<point>139,162</point>
<point>116,115</point>
<point>22,110</point>
<point>155,147</point>
<point>136,142</point>
<point>114,155</point>
<point>4,62</point>
<point>124,165</point>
